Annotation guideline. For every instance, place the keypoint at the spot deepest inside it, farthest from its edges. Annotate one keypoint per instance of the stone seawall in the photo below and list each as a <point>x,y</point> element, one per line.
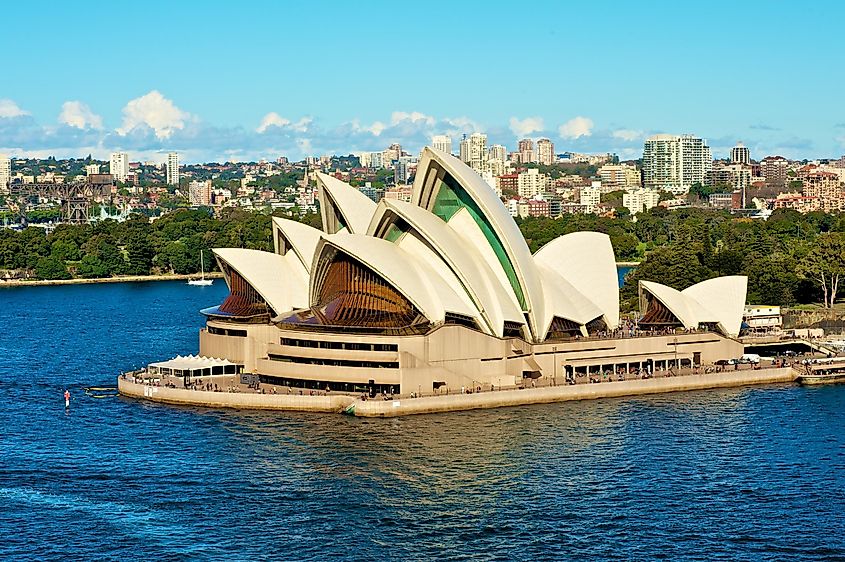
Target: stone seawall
<point>497,399</point>
<point>241,400</point>
<point>339,403</point>
<point>100,280</point>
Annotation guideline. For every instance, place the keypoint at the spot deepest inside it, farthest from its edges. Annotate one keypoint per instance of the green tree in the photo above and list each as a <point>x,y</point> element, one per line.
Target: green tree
<point>51,267</point>
<point>825,264</point>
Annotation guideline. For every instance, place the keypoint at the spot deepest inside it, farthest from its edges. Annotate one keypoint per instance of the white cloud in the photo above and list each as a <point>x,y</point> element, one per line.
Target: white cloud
<point>524,127</point>
<point>627,134</point>
<point>414,117</point>
<point>77,114</point>
<point>8,108</point>
<point>576,127</point>
<point>273,119</point>
<point>156,112</point>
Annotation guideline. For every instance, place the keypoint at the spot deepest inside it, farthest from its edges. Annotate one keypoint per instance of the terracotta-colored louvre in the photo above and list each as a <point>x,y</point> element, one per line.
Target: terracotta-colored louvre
<point>658,315</point>
<point>563,328</point>
<point>354,295</point>
<point>243,299</point>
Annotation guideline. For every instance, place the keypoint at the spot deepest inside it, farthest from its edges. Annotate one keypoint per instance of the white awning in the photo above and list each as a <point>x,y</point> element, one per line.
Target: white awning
<point>194,364</point>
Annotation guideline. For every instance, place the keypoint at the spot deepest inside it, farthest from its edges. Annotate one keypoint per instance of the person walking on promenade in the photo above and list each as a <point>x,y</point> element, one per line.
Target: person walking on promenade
<point>67,399</point>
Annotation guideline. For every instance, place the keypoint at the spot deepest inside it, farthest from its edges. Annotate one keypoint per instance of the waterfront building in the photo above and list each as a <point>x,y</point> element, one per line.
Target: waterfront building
<point>740,154</point>
<point>545,152</point>
<point>172,168</point>
<point>762,319</point>
<point>119,166</point>
<point>442,143</point>
<point>675,162</point>
<point>5,173</point>
<point>442,293</point>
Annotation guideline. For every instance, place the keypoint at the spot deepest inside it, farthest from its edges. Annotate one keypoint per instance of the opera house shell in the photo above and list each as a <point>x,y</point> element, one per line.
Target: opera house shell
<point>442,293</point>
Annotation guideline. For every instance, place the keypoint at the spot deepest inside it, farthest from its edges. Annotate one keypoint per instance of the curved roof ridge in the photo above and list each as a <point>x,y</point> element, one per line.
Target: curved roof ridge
<point>499,219</point>
<point>357,209</point>
<point>586,260</point>
<point>271,275</point>
<point>302,238</point>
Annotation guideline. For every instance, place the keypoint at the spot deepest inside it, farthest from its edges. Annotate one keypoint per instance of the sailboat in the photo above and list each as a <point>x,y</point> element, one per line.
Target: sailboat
<point>202,281</point>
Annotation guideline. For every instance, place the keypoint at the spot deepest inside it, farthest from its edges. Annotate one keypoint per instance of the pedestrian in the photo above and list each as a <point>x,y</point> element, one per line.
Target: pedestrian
<point>67,399</point>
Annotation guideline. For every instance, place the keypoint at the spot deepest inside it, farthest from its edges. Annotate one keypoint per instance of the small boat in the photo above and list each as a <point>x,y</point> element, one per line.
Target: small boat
<point>821,377</point>
<point>202,281</point>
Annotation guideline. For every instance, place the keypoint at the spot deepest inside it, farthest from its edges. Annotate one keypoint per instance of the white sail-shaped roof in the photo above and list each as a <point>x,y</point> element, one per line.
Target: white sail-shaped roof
<point>299,237</point>
<point>278,279</point>
<point>724,298</point>
<point>499,227</point>
<point>565,301</point>
<point>715,301</point>
<point>494,303</point>
<point>343,207</point>
<point>586,261</point>
<point>430,293</point>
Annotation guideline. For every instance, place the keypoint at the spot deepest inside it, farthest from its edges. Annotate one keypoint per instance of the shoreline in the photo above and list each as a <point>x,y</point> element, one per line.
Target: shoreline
<point>120,279</point>
<point>354,406</point>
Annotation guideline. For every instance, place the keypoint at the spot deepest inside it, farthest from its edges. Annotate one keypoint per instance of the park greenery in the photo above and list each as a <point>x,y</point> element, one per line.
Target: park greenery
<point>789,259</point>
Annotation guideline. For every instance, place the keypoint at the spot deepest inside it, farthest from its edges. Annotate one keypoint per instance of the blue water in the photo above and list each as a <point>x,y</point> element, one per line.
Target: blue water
<point>736,474</point>
<point>621,272</point>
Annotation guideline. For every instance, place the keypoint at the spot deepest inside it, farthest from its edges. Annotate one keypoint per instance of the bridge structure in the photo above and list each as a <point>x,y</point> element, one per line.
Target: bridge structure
<point>75,197</point>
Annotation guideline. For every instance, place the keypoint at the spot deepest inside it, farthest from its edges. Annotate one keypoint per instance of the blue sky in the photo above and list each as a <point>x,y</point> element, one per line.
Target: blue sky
<point>247,80</point>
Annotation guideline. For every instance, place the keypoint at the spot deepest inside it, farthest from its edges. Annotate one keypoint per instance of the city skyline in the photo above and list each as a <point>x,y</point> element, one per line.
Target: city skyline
<point>357,90</point>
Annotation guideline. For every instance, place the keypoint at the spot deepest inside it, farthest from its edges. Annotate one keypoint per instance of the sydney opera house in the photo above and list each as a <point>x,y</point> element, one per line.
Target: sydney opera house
<point>442,293</point>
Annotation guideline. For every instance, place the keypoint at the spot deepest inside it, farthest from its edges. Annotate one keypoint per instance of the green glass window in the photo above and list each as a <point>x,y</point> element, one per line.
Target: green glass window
<point>452,197</point>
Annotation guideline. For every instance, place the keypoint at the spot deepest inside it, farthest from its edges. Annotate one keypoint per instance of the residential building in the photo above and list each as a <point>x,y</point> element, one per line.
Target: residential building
<point>796,201</point>
<point>119,165</point>
<point>498,152</point>
<point>199,193</point>
<point>92,169</point>
<point>545,152</point>
<point>525,147</point>
<point>590,197</point>
<point>826,187</point>
<point>173,168</point>
<point>619,176</point>
<point>474,151</point>
<point>735,175</point>
<point>639,200</point>
<point>740,154</point>
<point>775,169</point>
<point>442,143</point>
<point>730,200</point>
<point>675,162</point>
<point>5,173</point>
<point>531,182</point>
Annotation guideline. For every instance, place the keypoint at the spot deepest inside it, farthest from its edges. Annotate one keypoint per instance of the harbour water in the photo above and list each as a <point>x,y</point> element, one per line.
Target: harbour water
<point>735,474</point>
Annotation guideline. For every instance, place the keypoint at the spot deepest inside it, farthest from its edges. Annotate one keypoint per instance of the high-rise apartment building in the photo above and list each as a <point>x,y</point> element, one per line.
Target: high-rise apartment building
<point>498,152</point>
<point>5,173</point>
<point>442,143</point>
<point>675,162</point>
<point>525,147</point>
<point>775,170</point>
<point>545,152</point>
<point>199,193</point>
<point>173,168</point>
<point>740,154</point>
<point>119,165</point>
<point>474,151</point>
